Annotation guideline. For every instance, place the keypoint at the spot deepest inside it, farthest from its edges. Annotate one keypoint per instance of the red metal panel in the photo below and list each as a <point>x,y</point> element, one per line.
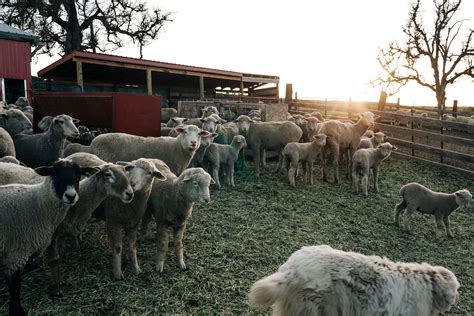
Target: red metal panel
<point>15,60</point>
<point>137,114</point>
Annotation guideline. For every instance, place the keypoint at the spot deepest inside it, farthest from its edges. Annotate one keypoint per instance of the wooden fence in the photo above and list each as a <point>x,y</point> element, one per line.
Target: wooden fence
<point>445,144</point>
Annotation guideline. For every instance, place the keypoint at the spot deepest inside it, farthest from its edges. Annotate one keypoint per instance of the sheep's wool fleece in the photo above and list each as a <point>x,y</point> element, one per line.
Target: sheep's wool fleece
<point>319,280</point>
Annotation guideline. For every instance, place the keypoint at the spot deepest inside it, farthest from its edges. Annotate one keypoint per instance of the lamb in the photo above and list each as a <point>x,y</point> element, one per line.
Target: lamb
<point>227,155</point>
<point>14,121</point>
<point>120,216</point>
<point>7,147</point>
<point>167,114</point>
<point>267,136</point>
<point>306,153</point>
<point>416,197</point>
<point>175,152</point>
<point>343,136</point>
<point>171,204</point>
<point>29,214</point>
<point>45,148</point>
<point>320,280</point>
<point>367,159</point>
<point>371,142</point>
<point>110,181</point>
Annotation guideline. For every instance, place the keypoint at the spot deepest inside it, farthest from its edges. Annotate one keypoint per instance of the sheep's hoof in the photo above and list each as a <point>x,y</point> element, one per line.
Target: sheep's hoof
<point>137,270</point>
<point>159,267</point>
<point>118,276</point>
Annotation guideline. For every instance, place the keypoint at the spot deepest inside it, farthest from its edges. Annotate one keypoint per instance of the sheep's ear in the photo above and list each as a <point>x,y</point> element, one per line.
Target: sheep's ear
<point>75,121</point>
<point>187,178</point>
<point>204,133</point>
<point>158,175</point>
<point>203,119</point>
<point>45,171</point>
<point>128,166</point>
<point>89,171</point>
<point>173,119</point>
<point>179,129</point>
<point>213,135</point>
<point>394,148</point>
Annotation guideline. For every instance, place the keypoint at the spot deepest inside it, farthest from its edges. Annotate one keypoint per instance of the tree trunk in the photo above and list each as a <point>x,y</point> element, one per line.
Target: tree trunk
<point>441,99</point>
<point>73,31</point>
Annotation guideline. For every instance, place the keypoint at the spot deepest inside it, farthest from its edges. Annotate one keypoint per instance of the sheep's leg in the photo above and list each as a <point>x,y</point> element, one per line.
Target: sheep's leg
<point>163,239</point>
<point>322,164</point>
<point>407,219</point>
<point>349,163</point>
<point>292,173</point>
<point>309,168</point>
<point>54,262</point>
<point>115,241</point>
<point>365,183</point>
<point>446,223</point>
<point>439,224</point>
<point>230,175</point>
<point>215,174</point>
<point>399,210</point>
<point>263,158</point>
<point>256,160</point>
<point>335,153</point>
<point>355,180</point>
<point>376,178</point>
<point>132,245</point>
<point>14,287</point>
<point>285,165</point>
<point>178,245</point>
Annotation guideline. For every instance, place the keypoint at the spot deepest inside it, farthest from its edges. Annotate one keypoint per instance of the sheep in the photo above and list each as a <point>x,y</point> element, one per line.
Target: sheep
<point>367,159</point>
<point>120,216</point>
<point>167,114</point>
<point>85,159</point>
<point>14,121</point>
<point>110,181</point>
<point>290,117</point>
<point>29,214</point>
<point>45,148</point>
<point>343,136</point>
<point>402,112</point>
<point>320,280</point>
<point>22,102</point>
<point>255,115</point>
<point>449,118</point>
<point>176,121</point>
<point>175,152</point>
<point>371,142</point>
<point>209,110</point>
<point>317,115</point>
<point>416,197</point>
<point>462,119</point>
<point>28,111</point>
<point>171,204</point>
<point>7,147</point>
<point>309,127</point>
<point>228,115</point>
<point>198,157</point>
<point>267,136</point>
<point>210,124</point>
<point>227,155</point>
<point>9,159</point>
<point>368,134</point>
<point>294,153</point>
<point>72,148</point>
<point>226,132</point>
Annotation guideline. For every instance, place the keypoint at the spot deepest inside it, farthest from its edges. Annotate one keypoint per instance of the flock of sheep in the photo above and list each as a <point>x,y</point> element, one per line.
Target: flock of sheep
<point>129,180</point>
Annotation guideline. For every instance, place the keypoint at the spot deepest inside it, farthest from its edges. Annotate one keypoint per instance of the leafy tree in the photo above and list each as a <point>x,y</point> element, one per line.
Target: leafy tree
<point>441,47</point>
<point>85,25</point>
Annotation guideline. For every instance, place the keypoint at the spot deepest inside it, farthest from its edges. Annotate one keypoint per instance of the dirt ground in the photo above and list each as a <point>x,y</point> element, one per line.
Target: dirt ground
<point>246,233</point>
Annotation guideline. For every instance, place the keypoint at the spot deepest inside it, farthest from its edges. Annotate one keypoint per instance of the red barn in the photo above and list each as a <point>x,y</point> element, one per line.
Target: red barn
<point>15,68</point>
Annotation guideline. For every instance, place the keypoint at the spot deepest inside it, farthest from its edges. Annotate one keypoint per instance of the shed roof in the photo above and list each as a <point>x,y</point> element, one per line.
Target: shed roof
<point>8,32</point>
<point>112,69</point>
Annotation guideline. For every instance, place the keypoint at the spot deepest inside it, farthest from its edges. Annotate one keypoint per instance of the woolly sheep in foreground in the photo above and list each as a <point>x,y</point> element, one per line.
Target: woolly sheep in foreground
<point>416,197</point>
<point>320,280</point>
<point>371,142</point>
<point>175,152</point>
<point>14,121</point>
<point>171,204</point>
<point>343,136</point>
<point>29,215</point>
<point>120,216</point>
<point>45,148</point>
<point>267,136</point>
<point>226,155</point>
<point>367,159</point>
<point>306,153</point>
<point>7,147</point>
<point>110,181</point>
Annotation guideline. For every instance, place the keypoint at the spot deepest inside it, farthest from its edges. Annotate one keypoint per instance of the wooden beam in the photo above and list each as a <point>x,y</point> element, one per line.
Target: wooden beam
<point>201,87</point>
<point>241,87</point>
<point>149,87</point>
<point>80,79</point>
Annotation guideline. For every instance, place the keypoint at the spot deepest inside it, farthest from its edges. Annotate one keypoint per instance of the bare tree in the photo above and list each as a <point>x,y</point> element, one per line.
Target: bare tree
<point>95,25</point>
<point>442,48</point>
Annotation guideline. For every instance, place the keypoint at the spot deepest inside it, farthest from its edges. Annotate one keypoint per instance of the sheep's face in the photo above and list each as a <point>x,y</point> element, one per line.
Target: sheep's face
<point>243,122</point>
<point>445,289</point>
<point>66,124</point>
<point>190,136</point>
<point>66,176</point>
<point>209,124</point>
<point>379,137</point>
<point>15,121</point>
<point>141,173</point>
<point>386,149</point>
<point>312,124</point>
<point>116,182</point>
<point>320,140</point>
<point>196,184</point>
<point>206,140</point>
<point>239,141</point>
<point>176,121</point>
<point>209,110</point>
<point>463,198</point>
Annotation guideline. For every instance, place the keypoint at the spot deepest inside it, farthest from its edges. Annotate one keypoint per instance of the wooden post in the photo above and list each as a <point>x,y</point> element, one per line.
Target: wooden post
<point>443,108</point>
<point>411,125</point>
<point>201,87</point>
<point>382,100</point>
<point>455,108</point>
<point>296,96</point>
<point>241,88</point>
<point>149,87</point>
<point>80,79</point>
<point>289,92</point>
<point>398,103</point>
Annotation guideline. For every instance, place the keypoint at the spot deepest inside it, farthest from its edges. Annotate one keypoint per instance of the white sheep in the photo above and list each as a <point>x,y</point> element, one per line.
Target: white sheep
<point>14,121</point>
<point>320,280</point>
<point>305,153</point>
<point>449,118</point>
<point>29,215</point>
<point>371,142</point>
<point>462,119</point>
<point>225,155</point>
<point>416,197</point>
<point>175,152</point>
<point>171,204</point>
<point>367,159</point>
<point>120,216</point>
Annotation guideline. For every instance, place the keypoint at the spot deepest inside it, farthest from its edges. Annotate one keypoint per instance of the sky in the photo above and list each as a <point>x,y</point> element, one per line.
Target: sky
<point>326,49</point>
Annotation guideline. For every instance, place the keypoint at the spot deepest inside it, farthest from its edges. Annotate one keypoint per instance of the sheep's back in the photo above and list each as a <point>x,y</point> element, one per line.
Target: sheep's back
<point>273,135</point>
<point>340,132</point>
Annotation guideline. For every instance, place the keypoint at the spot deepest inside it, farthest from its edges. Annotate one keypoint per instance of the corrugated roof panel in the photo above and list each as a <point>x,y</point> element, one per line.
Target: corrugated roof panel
<point>8,32</point>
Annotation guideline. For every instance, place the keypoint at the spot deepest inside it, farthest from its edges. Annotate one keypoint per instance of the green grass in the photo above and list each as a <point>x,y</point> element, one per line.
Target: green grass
<point>248,232</point>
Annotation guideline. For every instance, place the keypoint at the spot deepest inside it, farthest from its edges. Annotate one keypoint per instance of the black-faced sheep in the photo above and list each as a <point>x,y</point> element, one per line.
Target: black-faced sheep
<point>416,197</point>
<point>320,280</point>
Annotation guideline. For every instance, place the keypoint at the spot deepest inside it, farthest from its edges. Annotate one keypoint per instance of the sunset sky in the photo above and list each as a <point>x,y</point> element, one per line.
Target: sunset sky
<point>327,49</point>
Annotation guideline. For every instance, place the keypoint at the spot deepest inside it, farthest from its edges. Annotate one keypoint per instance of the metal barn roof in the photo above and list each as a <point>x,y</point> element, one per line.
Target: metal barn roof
<point>8,32</point>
